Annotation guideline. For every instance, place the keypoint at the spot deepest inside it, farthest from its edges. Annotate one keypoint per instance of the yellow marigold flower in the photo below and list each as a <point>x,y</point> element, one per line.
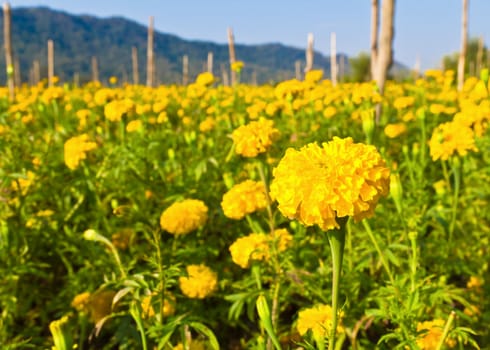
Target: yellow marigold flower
<point>437,108</point>
<point>122,238</point>
<point>205,79</point>
<point>329,112</point>
<point>207,124</point>
<point>449,138</point>
<point>237,66</point>
<point>200,282</point>
<point>75,150</point>
<point>254,138</point>
<point>251,247</point>
<point>113,80</point>
<point>81,301</point>
<point>395,130</point>
<point>257,246</point>
<point>403,102</point>
<point>114,110</point>
<point>134,125</point>
<point>314,76</point>
<point>244,198</point>
<point>318,319</point>
<point>184,217</point>
<point>317,184</point>
<point>475,283</point>
<point>149,311</point>
<point>432,334</point>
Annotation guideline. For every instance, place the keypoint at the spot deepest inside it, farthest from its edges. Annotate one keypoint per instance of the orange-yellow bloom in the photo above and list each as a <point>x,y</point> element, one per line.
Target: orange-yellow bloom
<point>75,150</point>
<point>184,217</point>
<point>254,138</point>
<point>318,319</point>
<point>200,282</point>
<point>318,184</point>
<point>449,138</point>
<point>244,198</point>
<point>429,340</point>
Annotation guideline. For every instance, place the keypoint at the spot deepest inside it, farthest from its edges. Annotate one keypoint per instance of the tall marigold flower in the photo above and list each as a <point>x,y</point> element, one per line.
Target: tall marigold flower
<point>184,217</point>
<point>75,150</point>
<point>199,283</point>
<point>318,319</point>
<point>254,138</point>
<point>244,198</point>
<point>395,130</point>
<point>430,334</point>
<point>256,246</point>
<point>450,138</point>
<point>318,184</point>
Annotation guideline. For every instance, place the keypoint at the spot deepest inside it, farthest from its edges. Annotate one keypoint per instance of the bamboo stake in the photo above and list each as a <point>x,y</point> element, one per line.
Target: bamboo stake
<point>231,49</point>
<point>7,15</point>
<point>309,53</point>
<point>50,62</point>
<point>385,52</point>
<point>210,62</point>
<point>254,78</point>
<point>31,76</point>
<point>185,70</point>
<point>224,74</point>
<point>464,39</point>
<point>374,36</point>
<point>416,68</point>
<point>95,69</point>
<point>297,69</point>
<point>134,57</point>
<point>333,58</point>
<point>150,66</point>
<point>76,79</point>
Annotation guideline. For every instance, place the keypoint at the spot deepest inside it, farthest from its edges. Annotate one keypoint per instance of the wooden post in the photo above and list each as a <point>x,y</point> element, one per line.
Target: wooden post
<point>231,49</point>
<point>50,62</point>
<point>254,78</point>
<point>31,76</point>
<point>385,51</point>
<point>309,53</point>
<point>464,39</point>
<point>333,58</point>
<point>185,70</point>
<point>479,56</point>
<point>7,20</point>
<point>17,72</point>
<point>134,57</point>
<point>76,79</point>
<point>150,67</point>
<point>95,69</point>
<point>374,36</point>
<point>297,69</point>
<point>36,69</point>
<point>416,68</point>
<point>224,74</point>
<point>210,62</point>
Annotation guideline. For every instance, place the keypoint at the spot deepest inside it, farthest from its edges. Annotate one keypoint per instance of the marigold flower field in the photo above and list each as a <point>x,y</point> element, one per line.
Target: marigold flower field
<point>206,216</point>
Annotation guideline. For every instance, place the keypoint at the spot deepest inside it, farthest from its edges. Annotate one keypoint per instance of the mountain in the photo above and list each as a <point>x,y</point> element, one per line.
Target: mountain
<point>78,38</point>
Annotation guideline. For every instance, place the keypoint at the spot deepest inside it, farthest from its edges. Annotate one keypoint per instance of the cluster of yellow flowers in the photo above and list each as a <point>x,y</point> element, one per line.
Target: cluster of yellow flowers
<point>318,320</point>
<point>199,283</point>
<point>75,150</point>
<point>184,217</point>
<point>431,336</point>
<point>257,246</point>
<point>318,184</point>
<point>149,311</point>
<point>254,138</point>
<point>395,130</point>
<point>243,199</point>
<point>450,138</point>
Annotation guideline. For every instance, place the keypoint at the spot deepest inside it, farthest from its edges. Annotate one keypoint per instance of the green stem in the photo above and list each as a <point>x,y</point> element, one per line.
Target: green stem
<point>445,332</point>
<point>336,239</point>
<point>413,263</point>
<point>456,167</point>
<point>381,256</point>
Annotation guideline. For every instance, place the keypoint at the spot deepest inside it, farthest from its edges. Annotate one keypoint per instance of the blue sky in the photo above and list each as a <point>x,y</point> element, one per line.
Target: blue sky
<point>426,29</point>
